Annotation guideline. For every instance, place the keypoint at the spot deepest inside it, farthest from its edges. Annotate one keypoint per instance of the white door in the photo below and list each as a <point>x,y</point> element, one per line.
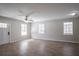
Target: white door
<point>4,33</point>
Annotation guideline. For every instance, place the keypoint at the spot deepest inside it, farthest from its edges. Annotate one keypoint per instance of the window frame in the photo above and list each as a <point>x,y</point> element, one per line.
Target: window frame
<point>41,28</point>
<point>3,25</point>
<point>23,29</point>
<point>68,28</point>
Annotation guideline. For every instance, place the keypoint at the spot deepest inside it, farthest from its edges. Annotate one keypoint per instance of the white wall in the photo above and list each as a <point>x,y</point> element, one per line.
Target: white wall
<point>16,28</point>
<point>54,30</point>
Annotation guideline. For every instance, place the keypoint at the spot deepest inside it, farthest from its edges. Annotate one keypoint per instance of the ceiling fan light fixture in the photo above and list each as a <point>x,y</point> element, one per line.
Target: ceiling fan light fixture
<point>73,14</point>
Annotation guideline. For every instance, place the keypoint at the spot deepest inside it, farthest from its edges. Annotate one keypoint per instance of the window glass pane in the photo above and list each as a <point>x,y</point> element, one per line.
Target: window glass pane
<point>68,28</point>
<point>41,28</point>
<point>3,25</point>
<point>23,29</point>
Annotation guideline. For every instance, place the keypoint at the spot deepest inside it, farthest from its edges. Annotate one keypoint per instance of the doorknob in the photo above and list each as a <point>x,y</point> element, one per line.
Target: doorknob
<point>8,33</point>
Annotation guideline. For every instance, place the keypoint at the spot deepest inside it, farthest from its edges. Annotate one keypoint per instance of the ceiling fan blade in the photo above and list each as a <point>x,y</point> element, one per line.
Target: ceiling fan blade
<point>30,13</point>
<point>22,13</point>
<point>27,15</point>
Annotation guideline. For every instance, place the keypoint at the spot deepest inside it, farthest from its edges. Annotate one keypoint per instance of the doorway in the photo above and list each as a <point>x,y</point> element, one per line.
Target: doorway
<point>5,33</point>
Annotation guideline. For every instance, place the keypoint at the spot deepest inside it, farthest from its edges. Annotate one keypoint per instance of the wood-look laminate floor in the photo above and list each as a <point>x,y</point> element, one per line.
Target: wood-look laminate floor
<point>35,47</point>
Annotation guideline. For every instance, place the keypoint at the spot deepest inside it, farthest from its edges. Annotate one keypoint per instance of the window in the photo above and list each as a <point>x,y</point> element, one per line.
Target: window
<point>41,28</point>
<point>23,29</point>
<point>68,28</point>
<point>3,25</point>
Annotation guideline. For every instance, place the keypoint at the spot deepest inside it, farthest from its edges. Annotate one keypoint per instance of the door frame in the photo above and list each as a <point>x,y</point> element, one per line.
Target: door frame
<point>9,30</point>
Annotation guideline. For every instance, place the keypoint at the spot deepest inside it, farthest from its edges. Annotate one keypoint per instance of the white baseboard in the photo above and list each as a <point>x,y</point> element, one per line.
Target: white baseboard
<point>58,40</point>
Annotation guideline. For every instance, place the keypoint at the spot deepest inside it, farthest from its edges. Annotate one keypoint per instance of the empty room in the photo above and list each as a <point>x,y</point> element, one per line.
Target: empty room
<point>39,29</point>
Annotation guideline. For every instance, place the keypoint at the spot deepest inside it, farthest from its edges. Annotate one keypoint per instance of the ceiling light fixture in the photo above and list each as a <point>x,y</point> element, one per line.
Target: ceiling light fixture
<point>73,14</point>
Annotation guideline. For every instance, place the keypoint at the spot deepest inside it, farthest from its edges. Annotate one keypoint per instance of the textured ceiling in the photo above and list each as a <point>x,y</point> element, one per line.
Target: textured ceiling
<point>41,12</point>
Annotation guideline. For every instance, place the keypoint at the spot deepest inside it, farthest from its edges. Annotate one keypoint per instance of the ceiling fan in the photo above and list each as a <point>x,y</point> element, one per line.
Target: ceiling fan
<point>74,13</point>
<point>27,15</point>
